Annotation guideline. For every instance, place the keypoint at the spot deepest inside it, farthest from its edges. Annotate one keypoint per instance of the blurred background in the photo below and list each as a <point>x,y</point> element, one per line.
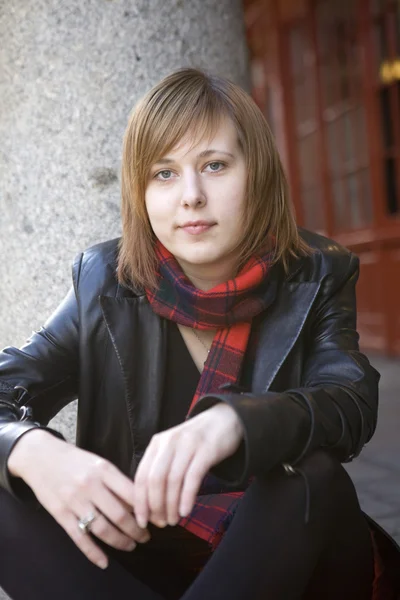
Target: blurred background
<point>325,73</point>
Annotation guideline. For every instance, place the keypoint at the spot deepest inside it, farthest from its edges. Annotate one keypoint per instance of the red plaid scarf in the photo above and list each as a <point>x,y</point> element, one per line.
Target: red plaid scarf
<point>229,308</point>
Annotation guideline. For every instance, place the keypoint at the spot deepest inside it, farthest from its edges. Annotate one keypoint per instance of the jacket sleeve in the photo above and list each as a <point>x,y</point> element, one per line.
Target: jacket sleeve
<point>39,379</point>
<point>335,407</point>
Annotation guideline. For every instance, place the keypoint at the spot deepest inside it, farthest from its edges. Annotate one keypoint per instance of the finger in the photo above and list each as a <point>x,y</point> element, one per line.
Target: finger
<point>175,481</point>
<point>117,482</point>
<point>108,533</point>
<point>157,485</point>
<point>83,541</point>
<point>103,529</point>
<point>140,503</point>
<point>120,515</point>
<point>195,474</point>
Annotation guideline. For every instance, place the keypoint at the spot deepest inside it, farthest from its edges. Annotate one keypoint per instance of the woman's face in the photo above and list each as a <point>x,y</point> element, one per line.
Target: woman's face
<point>195,199</point>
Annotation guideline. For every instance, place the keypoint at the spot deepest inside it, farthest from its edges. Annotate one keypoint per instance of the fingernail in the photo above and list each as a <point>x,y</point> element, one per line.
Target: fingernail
<point>146,538</point>
<point>102,563</point>
<point>161,523</point>
<point>131,546</point>
<point>173,522</point>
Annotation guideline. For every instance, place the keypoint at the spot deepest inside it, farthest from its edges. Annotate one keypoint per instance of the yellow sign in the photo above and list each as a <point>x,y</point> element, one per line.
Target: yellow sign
<point>390,71</point>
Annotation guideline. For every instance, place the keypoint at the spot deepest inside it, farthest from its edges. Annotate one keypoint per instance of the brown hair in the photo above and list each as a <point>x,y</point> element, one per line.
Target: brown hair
<point>190,98</point>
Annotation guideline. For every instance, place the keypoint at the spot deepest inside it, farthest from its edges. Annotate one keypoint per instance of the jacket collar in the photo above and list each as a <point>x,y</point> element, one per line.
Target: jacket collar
<point>139,336</point>
<point>281,329</point>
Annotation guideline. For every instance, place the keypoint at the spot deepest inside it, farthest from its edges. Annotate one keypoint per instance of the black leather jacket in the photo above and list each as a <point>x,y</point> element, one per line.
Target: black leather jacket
<point>311,386</point>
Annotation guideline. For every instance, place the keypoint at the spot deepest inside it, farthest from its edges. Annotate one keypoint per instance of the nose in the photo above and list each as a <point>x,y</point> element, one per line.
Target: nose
<point>193,195</point>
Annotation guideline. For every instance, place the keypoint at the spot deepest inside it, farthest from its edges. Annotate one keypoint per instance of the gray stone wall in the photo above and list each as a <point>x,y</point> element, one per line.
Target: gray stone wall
<point>70,73</point>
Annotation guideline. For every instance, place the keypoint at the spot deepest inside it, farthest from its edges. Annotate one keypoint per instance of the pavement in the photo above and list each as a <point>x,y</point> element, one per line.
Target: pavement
<point>376,472</point>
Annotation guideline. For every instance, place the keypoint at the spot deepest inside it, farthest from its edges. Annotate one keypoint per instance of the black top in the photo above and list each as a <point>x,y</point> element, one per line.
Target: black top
<point>181,379</point>
<point>182,376</point>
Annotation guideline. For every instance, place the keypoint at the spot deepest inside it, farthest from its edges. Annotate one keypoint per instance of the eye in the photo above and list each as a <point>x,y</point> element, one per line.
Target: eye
<point>163,175</point>
<point>215,166</point>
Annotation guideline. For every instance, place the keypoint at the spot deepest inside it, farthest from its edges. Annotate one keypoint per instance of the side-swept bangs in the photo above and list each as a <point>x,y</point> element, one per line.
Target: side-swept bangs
<point>192,101</point>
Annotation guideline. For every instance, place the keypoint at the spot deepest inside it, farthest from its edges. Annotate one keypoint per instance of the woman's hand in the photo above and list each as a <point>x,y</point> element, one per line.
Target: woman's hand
<point>71,483</point>
<point>175,462</point>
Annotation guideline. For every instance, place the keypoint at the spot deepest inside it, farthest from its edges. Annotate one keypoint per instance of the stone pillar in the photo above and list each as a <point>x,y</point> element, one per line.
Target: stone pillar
<point>70,73</point>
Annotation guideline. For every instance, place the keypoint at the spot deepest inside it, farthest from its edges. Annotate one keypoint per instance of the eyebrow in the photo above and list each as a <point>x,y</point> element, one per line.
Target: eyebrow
<point>204,154</point>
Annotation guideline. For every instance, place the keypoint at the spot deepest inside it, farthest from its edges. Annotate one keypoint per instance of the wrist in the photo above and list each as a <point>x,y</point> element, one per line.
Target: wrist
<point>225,412</point>
<point>25,450</point>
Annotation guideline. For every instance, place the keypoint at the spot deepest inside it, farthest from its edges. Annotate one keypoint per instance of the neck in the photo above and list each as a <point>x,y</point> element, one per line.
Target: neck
<point>206,277</point>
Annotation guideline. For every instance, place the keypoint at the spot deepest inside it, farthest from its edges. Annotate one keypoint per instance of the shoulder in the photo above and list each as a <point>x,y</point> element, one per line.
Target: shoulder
<point>96,267</point>
<point>328,257</point>
<point>100,255</point>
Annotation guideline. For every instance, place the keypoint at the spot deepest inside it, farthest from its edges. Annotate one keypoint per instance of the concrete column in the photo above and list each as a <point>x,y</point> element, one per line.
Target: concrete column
<point>70,73</point>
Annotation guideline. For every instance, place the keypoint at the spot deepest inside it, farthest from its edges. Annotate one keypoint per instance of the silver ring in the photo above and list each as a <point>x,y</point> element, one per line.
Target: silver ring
<point>289,469</point>
<point>85,524</point>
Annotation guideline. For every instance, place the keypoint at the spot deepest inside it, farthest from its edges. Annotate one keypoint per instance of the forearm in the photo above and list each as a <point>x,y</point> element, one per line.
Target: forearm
<point>282,427</point>
<point>275,430</point>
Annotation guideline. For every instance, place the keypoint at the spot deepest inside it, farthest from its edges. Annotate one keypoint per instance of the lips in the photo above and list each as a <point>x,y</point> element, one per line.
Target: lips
<point>197,227</point>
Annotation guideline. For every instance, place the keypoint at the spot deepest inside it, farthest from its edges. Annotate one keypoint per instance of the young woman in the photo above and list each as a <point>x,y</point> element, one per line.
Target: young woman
<point>214,352</point>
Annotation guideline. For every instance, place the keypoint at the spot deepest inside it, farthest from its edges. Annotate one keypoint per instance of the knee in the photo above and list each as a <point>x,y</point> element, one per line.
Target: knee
<point>15,517</point>
<point>316,494</point>
<point>322,469</point>
<point>319,476</point>
<point>320,473</point>
<point>9,512</point>
<point>329,485</point>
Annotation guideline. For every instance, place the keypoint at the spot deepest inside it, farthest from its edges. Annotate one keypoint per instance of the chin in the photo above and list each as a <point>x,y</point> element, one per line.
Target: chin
<point>197,256</point>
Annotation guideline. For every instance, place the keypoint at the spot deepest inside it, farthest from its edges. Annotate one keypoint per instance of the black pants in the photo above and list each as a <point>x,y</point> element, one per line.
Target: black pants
<point>268,553</point>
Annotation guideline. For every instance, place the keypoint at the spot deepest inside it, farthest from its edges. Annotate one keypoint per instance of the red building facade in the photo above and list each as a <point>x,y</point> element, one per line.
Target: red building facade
<point>327,77</point>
